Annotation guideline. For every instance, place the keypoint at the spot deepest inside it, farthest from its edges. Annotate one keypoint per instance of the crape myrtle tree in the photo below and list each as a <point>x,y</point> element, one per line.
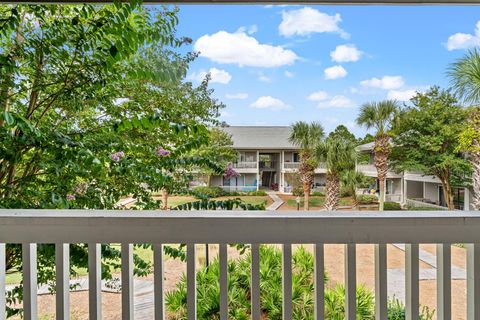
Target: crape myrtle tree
<point>219,150</point>
<point>92,109</point>
<point>339,156</point>
<point>307,136</point>
<point>379,116</point>
<point>465,79</point>
<point>426,139</point>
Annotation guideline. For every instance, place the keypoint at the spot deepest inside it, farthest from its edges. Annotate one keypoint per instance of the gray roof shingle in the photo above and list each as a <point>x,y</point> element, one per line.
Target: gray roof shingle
<point>260,137</point>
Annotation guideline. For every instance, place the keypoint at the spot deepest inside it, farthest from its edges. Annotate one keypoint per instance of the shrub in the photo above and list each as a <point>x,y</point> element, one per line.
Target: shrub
<point>209,192</point>
<point>208,291</point>
<point>345,192</point>
<point>318,194</point>
<point>389,205</point>
<point>297,191</point>
<point>396,311</point>
<point>256,193</point>
<point>367,199</point>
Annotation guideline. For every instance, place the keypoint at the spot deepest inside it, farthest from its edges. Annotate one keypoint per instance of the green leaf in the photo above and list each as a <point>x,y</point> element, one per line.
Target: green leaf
<point>7,116</point>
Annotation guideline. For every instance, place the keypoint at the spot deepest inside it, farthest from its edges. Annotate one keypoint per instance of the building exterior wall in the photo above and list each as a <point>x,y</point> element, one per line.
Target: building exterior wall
<point>414,189</point>
<point>431,192</point>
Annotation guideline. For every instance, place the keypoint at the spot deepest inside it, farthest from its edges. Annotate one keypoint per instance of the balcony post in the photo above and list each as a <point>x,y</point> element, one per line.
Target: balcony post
<point>473,281</point>
<point>29,268</point>
<point>191,282</point>
<point>381,294</point>
<point>444,281</point>
<point>158,281</point>
<point>287,281</point>
<point>319,281</point>
<point>255,282</point>
<point>62,280</point>
<point>350,282</point>
<point>95,281</point>
<point>127,281</point>
<point>3,269</point>
<point>412,281</point>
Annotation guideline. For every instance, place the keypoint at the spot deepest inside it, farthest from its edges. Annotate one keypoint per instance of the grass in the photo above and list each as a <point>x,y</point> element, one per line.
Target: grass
<point>318,202</point>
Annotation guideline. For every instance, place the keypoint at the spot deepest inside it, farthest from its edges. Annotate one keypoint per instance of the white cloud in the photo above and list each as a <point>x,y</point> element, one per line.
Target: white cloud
<point>318,96</point>
<point>217,76</point>
<point>346,53</point>
<point>268,102</point>
<point>250,30</point>
<point>464,40</point>
<point>335,72</point>
<point>401,95</point>
<point>237,96</point>
<point>386,82</point>
<point>306,21</point>
<point>264,78</point>
<point>289,74</point>
<point>337,102</point>
<point>243,50</point>
<point>350,125</point>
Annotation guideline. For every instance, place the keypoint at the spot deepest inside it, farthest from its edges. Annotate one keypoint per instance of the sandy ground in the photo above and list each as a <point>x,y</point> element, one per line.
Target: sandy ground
<point>334,266</point>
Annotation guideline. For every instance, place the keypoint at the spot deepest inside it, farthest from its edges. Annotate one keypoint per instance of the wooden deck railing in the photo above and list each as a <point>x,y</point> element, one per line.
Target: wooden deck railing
<point>30,227</point>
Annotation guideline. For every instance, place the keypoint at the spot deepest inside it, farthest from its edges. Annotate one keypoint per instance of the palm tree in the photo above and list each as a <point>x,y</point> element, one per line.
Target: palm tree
<point>307,136</point>
<point>350,180</point>
<point>339,156</point>
<point>379,116</point>
<point>465,80</point>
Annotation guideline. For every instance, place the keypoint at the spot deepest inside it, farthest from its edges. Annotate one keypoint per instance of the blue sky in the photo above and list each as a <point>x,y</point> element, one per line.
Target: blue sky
<point>274,65</point>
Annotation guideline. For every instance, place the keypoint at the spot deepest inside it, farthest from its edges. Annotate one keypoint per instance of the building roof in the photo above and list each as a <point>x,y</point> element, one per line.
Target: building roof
<point>366,147</point>
<point>260,137</point>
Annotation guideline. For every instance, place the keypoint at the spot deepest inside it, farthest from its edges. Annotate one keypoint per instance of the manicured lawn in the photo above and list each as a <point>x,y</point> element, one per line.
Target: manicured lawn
<point>314,201</point>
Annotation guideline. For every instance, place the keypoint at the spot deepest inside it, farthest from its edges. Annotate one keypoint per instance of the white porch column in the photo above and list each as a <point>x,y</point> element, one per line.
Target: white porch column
<point>258,170</point>
<point>466,200</point>
<point>404,190</point>
<point>424,187</point>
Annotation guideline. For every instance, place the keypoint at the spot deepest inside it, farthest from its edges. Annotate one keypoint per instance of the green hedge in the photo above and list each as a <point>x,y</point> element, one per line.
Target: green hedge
<point>391,206</point>
<point>367,199</point>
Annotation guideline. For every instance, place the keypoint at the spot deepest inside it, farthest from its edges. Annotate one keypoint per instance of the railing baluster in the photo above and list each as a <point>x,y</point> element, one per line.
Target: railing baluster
<point>3,269</point>
<point>255,287</point>
<point>29,268</point>
<point>473,281</point>
<point>319,282</point>
<point>95,281</point>
<point>411,281</point>
<point>287,281</point>
<point>191,282</point>
<point>158,282</point>
<point>127,281</point>
<point>223,253</point>
<point>444,281</point>
<point>350,282</point>
<point>381,295</point>
<point>62,281</point>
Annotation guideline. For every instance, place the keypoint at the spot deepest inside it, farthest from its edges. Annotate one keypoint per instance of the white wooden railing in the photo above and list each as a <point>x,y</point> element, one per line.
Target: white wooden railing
<point>393,197</point>
<point>30,227</point>
<point>291,165</point>
<point>246,165</point>
<point>411,203</point>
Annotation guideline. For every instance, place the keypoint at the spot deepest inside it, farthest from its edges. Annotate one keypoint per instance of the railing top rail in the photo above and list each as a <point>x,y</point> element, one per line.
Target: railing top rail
<point>77,226</point>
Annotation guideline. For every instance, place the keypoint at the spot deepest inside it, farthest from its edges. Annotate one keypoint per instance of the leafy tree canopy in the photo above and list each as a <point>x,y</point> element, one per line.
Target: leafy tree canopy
<point>426,137</point>
<point>93,108</point>
<point>342,132</point>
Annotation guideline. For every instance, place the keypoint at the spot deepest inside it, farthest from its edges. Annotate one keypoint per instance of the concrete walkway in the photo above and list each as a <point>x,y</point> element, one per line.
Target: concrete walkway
<point>277,202</point>
<point>396,277</point>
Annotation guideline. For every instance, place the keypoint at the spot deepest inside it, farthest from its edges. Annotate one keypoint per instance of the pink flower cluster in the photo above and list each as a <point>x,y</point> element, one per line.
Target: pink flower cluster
<point>117,156</point>
<point>230,172</point>
<point>81,188</point>
<point>162,152</point>
<point>70,197</point>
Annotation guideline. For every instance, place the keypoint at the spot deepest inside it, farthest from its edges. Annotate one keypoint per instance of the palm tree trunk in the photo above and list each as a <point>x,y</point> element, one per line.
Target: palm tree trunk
<point>381,200</point>
<point>164,199</point>
<point>475,160</point>
<point>381,151</point>
<point>306,195</point>
<point>332,197</point>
